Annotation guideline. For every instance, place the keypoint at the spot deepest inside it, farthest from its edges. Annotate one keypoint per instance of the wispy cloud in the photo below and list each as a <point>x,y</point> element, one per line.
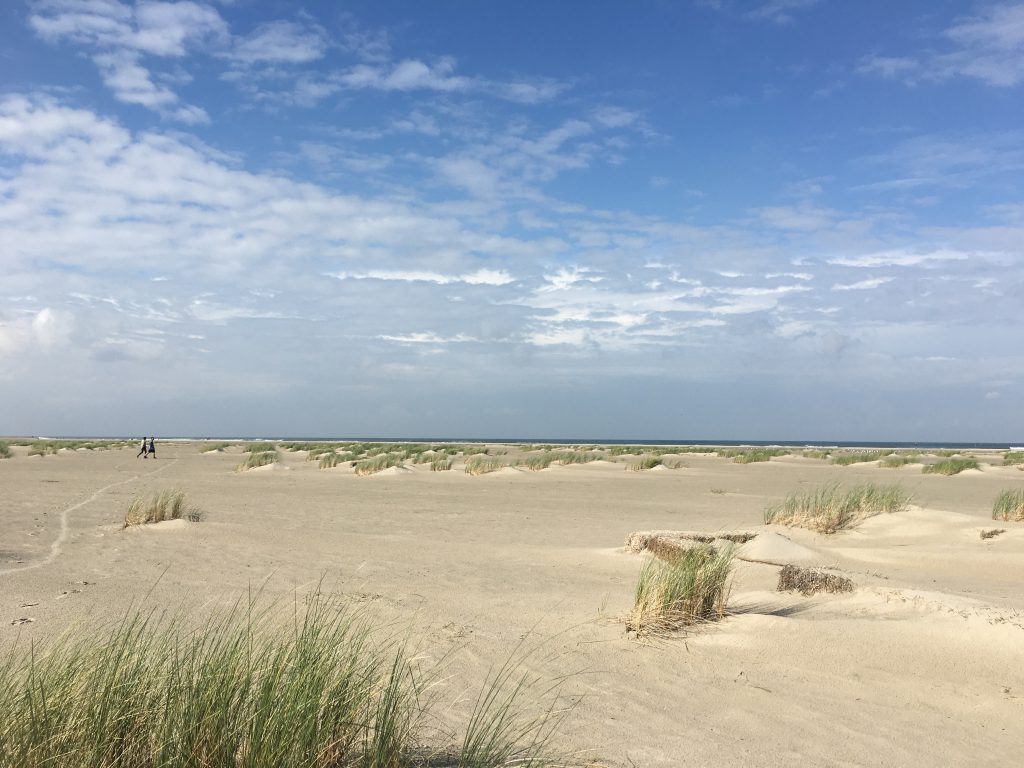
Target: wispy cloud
<point>988,46</point>
<point>479,277</point>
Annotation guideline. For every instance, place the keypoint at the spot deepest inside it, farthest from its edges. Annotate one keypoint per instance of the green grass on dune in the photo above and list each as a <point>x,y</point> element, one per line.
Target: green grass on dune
<point>1011,458</point>
<point>160,506</point>
<point>254,687</point>
<point>831,508</point>
<point>378,463</point>
<point>752,455</point>
<point>646,463</point>
<point>690,588</point>
<point>1009,505</point>
<point>857,457</point>
<point>482,465</point>
<point>214,447</point>
<point>949,466</point>
<point>5,450</point>
<point>259,459</point>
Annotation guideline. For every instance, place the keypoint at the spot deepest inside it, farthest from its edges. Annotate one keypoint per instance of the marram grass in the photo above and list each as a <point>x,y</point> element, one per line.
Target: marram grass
<point>831,508</point>
<point>378,463</point>
<point>248,688</point>
<point>1009,505</point>
<point>481,465</point>
<point>690,588</point>
<point>949,466</point>
<point>160,506</point>
<point>857,457</point>
<point>440,465</point>
<point>646,463</point>
<point>258,459</point>
<point>5,451</point>
<point>1010,458</point>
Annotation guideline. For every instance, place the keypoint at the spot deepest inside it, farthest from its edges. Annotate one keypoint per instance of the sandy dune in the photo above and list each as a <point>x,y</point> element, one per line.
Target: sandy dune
<point>921,665</point>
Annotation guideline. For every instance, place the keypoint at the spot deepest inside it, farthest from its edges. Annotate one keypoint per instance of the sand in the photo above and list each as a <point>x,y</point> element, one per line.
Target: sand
<point>920,665</point>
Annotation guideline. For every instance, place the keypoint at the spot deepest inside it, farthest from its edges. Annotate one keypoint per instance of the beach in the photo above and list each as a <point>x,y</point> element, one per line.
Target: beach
<point>918,665</point>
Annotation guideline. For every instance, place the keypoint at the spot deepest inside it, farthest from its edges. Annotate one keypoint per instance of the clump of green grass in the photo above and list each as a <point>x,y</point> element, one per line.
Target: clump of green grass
<point>249,687</point>
<point>441,465</point>
<point>537,463</point>
<point>5,451</point>
<point>260,448</point>
<point>646,463</point>
<point>895,462</point>
<point>949,466</point>
<point>576,457</point>
<point>751,455</point>
<point>160,506</point>
<point>811,453</point>
<point>831,508</point>
<point>1011,458</point>
<point>42,449</point>
<point>258,459</point>
<point>857,457</point>
<point>330,460</point>
<point>690,588</point>
<point>480,465</point>
<point>378,463</point>
<point>214,447</point>
<point>1009,505</point>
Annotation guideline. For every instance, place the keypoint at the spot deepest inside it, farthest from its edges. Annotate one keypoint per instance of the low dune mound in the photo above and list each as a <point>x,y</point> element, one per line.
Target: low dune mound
<point>809,581</point>
<point>775,549</point>
<point>667,545</point>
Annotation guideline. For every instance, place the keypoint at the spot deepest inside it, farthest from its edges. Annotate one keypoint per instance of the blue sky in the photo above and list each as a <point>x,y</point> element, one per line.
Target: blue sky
<point>774,219</point>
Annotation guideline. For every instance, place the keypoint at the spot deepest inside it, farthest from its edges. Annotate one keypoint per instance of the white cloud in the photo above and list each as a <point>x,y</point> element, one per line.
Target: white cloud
<point>779,11</point>
<point>899,258</point>
<point>428,337</point>
<point>862,285</point>
<point>280,42</point>
<point>479,277</point>
<point>119,35</point>
<point>988,47</point>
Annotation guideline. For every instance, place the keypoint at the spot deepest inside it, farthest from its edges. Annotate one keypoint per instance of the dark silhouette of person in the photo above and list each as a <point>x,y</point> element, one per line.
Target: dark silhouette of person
<point>142,450</point>
<point>152,447</point>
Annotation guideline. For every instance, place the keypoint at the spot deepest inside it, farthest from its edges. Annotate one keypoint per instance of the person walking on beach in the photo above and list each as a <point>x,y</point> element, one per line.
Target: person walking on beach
<point>152,447</point>
<point>142,450</point>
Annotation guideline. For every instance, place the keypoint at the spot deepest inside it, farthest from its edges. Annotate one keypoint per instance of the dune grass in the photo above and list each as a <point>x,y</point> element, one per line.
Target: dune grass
<point>42,449</point>
<point>160,506</point>
<point>441,465</point>
<point>214,447</point>
<point>831,508</point>
<point>949,466</point>
<point>260,448</point>
<point>5,450</point>
<point>812,453</point>
<point>258,459</point>
<point>1010,458</point>
<point>331,460</point>
<point>481,465</point>
<point>690,588</point>
<point>752,455</point>
<point>537,463</point>
<point>577,457</point>
<point>378,463</point>
<point>249,687</point>
<point>857,457</point>
<point>895,462</point>
<point>1009,505</point>
<point>646,463</point>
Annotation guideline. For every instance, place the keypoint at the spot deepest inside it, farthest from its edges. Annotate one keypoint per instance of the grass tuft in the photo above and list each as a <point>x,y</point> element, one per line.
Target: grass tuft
<point>646,463</point>
<point>260,448</point>
<point>830,508</point>
<point>5,451</point>
<point>1009,505</point>
<point>258,459</point>
<point>480,465</point>
<point>688,589</point>
<point>214,447</point>
<point>332,459</point>
<point>751,455</point>
<point>378,463</point>
<point>1010,458</point>
<point>895,462</point>
<point>949,466</point>
<point>810,581</point>
<point>857,457</point>
<point>440,465</point>
<point>160,506</point>
<point>249,687</point>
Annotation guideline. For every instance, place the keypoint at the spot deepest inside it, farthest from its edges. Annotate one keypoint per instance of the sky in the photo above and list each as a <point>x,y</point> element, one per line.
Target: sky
<point>717,219</point>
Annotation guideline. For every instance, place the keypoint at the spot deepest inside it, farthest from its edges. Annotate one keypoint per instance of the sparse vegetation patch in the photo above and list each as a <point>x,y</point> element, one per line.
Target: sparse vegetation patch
<point>646,463</point>
<point>1011,458</point>
<point>378,463</point>
<point>751,455</point>
<point>258,459</point>
<point>160,506</point>
<point>481,465</point>
<point>689,589</point>
<point>1009,505</point>
<point>857,457</point>
<point>949,466</point>
<point>5,451</point>
<point>831,508</point>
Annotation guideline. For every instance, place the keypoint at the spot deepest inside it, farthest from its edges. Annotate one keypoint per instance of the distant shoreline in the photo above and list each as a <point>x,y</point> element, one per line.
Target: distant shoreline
<point>994,446</point>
